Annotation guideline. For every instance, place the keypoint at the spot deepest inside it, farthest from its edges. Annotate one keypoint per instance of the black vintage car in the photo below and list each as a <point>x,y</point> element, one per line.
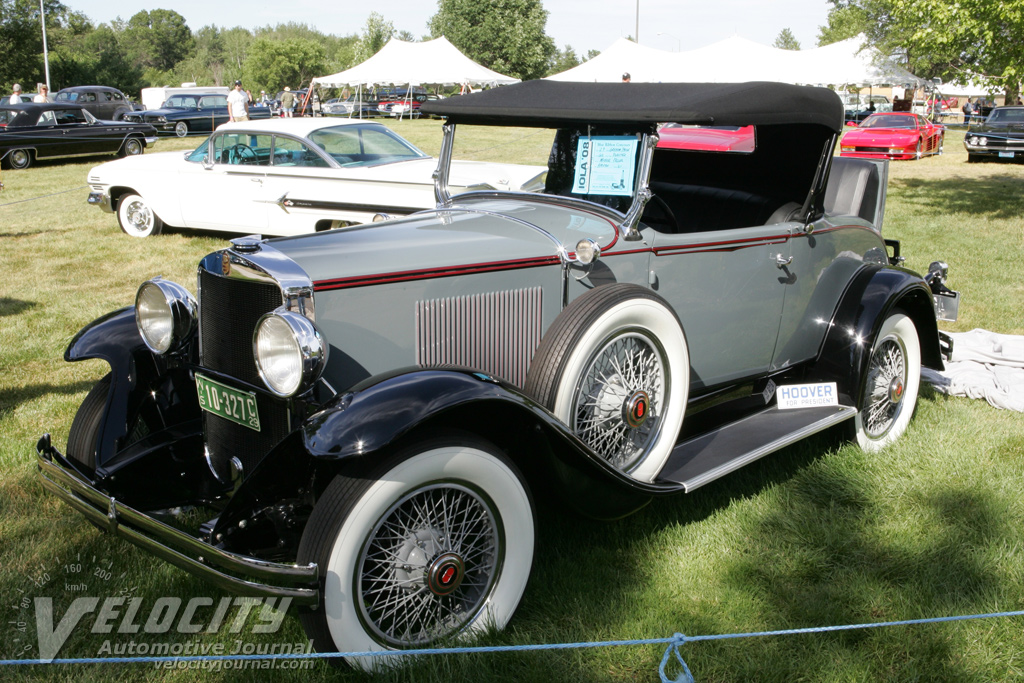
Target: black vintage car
<point>1000,136</point>
<point>102,102</point>
<point>192,112</point>
<point>47,130</point>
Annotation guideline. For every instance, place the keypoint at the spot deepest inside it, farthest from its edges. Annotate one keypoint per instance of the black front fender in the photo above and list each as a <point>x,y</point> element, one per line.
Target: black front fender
<point>354,432</point>
<point>144,387</point>
<point>869,299</point>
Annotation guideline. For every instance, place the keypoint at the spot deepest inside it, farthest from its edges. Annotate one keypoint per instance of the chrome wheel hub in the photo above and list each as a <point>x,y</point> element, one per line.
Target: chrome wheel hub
<point>886,385</point>
<point>427,568</point>
<point>620,396</point>
<point>139,216</point>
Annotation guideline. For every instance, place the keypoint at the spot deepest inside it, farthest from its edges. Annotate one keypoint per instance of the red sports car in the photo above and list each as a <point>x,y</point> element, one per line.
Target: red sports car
<point>893,135</point>
<point>707,138</point>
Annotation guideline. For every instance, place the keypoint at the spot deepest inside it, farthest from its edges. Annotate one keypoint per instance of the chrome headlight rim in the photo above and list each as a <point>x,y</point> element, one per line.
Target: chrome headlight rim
<point>166,315</point>
<point>295,334</point>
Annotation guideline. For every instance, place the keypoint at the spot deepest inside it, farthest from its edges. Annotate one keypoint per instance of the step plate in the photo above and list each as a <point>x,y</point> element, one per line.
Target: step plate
<point>708,457</point>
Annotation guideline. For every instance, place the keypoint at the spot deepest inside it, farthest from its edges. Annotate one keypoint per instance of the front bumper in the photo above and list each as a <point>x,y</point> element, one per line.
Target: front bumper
<point>997,152</point>
<point>102,200</point>
<point>59,477</point>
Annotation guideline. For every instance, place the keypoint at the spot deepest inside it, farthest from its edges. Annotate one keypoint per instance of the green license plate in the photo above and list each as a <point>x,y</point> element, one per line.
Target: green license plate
<point>228,402</point>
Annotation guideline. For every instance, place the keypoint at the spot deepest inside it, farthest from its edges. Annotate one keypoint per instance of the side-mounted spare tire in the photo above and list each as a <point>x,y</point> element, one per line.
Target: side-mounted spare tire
<point>615,368</point>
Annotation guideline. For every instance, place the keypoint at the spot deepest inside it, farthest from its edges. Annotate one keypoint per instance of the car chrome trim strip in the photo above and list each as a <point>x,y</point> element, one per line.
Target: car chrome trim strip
<point>177,547</point>
<point>286,202</point>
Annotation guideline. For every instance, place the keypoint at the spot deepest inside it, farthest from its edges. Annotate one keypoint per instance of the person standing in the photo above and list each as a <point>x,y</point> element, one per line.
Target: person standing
<point>44,94</point>
<point>16,97</point>
<point>287,102</point>
<point>238,104</point>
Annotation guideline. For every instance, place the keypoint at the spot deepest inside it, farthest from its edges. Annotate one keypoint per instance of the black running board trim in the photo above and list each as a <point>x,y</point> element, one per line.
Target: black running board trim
<point>705,458</point>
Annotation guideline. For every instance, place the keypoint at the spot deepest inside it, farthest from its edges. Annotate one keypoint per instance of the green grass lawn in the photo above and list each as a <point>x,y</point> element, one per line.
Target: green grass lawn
<point>818,534</point>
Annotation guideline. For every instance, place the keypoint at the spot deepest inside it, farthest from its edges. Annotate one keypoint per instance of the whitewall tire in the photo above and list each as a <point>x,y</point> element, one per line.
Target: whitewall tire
<point>891,384</point>
<point>137,218</point>
<point>436,545</point>
<point>615,368</point>
<point>181,129</point>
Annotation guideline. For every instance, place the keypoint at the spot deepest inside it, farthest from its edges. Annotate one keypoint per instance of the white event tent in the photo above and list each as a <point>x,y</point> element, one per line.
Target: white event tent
<point>401,63</point>
<point>848,62</point>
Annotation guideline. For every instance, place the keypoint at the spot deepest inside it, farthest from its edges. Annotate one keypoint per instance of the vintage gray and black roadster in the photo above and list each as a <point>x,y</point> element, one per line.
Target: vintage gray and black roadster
<point>369,413</point>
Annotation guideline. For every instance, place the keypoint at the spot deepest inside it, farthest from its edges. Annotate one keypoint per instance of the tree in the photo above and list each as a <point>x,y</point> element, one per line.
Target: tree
<point>563,60</point>
<point>376,34</point>
<point>157,39</point>
<point>504,35</point>
<point>21,41</point>
<point>951,39</point>
<point>975,38</point>
<point>273,64</point>
<point>786,40</point>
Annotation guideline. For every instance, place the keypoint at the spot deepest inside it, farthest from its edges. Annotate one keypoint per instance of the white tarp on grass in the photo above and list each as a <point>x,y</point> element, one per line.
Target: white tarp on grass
<point>434,62</point>
<point>984,365</point>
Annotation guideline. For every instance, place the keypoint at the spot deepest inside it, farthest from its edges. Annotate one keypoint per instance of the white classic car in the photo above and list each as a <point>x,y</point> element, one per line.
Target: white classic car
<point>286,177</point>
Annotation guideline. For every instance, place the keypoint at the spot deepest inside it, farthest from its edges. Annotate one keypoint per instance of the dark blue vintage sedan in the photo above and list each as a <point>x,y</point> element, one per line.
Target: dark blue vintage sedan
<point>45,130</point>
<point>199,112</point>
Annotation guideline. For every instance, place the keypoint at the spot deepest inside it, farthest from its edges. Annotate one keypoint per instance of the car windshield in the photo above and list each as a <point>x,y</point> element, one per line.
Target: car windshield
<point>364,145</point>
<point>1006,116</point>
<point>888,121</point>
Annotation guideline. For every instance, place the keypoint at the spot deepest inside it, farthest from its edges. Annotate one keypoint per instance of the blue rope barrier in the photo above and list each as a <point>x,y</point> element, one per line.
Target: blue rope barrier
<point>673,643</point>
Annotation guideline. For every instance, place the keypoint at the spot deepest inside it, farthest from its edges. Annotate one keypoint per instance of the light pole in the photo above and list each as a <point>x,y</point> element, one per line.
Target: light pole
<point>636,31</point>
<point>46,57</point>
<point>678,42</point>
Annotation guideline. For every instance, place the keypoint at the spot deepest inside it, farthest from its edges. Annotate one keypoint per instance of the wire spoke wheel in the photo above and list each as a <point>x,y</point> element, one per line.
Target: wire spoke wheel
<point>428,566</point>
<point>617,409</point>
<point>892,376</point>
<point>886,386</point>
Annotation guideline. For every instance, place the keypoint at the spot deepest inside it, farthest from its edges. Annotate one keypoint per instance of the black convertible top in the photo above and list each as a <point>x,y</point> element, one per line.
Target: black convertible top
<point>557,104</point>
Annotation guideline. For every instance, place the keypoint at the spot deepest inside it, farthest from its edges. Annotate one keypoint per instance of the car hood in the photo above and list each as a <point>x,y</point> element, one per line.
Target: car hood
<point>881,136</point>
<point>157,160</point>
<point>479,232</point>
<point>1014,129</point>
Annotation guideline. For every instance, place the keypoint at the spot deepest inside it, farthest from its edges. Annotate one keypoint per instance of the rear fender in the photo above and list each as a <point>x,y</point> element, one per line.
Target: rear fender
<point>870,298</point>
<point>142,384</point>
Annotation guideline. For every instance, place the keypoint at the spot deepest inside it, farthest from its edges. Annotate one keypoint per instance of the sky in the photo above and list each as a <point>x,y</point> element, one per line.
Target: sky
<point>584,24</point>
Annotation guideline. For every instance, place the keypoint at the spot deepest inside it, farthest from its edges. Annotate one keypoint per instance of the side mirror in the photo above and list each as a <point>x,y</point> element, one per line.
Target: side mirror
<point>851,124</point>
<point>207,164</point>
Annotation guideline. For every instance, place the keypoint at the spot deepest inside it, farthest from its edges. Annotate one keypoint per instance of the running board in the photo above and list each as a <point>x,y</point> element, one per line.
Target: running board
<point>710,456</point>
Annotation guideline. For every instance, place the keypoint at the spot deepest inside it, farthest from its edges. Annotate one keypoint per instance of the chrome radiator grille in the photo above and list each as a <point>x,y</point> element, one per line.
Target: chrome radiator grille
<point>495,332</point>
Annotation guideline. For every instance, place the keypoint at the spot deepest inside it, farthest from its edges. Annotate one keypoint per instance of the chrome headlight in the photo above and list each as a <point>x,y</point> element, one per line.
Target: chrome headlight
<point>166,314</point>
<point>290,352</point>
<point>160,119</point>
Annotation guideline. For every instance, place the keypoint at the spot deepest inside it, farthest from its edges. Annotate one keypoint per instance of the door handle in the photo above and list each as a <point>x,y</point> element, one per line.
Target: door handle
<point>783,261</point>
<point>256,180</point>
